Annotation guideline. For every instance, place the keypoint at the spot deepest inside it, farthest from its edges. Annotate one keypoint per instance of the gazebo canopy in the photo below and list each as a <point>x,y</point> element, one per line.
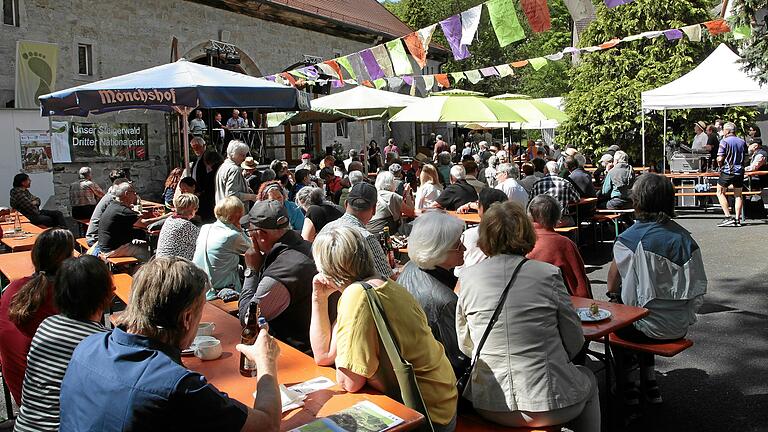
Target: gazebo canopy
<point>363,101</point>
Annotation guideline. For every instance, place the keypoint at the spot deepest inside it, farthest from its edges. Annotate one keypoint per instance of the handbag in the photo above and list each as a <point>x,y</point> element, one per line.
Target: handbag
<point>402,368</point>
<point>462,382</point>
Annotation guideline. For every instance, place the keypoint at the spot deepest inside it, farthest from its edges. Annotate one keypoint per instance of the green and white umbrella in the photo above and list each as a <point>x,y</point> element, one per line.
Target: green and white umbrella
<point>532,110</point>
<point>457,106</point>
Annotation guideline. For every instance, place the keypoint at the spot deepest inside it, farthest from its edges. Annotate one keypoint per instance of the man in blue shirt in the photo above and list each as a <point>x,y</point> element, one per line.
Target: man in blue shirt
<point>731,155</point>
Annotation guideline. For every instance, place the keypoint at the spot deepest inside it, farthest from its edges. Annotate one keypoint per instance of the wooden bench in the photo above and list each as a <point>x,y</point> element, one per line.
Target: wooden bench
<point>112,262</point>
<point>471,422</point>
<point>566,230</point>
<point>603,218</point>
<point>668,349</point>
<point>83,243</point>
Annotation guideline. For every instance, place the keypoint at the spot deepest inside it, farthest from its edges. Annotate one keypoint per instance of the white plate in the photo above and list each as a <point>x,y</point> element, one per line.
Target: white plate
<point>586,316</point>
<point>198,339</point>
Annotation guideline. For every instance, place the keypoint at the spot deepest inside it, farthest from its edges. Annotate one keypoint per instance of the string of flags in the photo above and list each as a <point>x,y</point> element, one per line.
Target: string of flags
<point>377,71</point>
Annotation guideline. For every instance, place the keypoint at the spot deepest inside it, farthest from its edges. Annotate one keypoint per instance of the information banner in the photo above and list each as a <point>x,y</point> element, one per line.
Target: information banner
<point>108,141</point>
<point>35,151</point>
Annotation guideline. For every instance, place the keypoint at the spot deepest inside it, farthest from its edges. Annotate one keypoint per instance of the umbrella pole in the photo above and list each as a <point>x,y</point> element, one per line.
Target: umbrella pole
<point>185,112</point>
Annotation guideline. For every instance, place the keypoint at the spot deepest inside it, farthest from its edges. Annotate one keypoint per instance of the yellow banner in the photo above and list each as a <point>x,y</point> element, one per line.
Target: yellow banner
<point>36,64</point>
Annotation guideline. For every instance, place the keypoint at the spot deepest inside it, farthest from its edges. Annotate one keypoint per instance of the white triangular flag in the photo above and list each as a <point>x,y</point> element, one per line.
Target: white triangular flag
<point>470,19</point>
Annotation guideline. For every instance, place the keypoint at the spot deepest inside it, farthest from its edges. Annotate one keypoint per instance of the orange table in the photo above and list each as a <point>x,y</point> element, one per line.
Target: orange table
<point>621,316</point>
<point>293,367</point>
<point>472,218</point>
<point>16,265</point>
<point>25,243</point>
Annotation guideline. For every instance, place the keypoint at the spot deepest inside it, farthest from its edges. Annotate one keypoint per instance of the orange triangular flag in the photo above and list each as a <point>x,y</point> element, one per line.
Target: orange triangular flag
<point>368,84</point>
<point>442,80</point>
<point>717,27</point>
<point>537,13</point>
<point>336,68</point>
<point>416,48</point>
<point>610,44</point>
<point>518,64</point>
<point>288,77</point>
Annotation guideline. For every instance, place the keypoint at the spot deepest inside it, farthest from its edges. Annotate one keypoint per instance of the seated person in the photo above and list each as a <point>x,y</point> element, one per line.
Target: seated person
<point>319,211</point>
<point>429,188</point>
<point>178,237</point>
<point>331,180</point>
<point>581,179</point>
<point>435,249</point>
<point>83,291</point>
<point>472,252</point>
<point>507,175</point>
<point>138,364</point>
<point>219,247</point>
<point>186,185</point>
<point>458,193</point>
<point>555,248</point>
<point>117,236</point>
<point>390,207</point>
<point>524,376</point>
<point>617,185</point>
<point>27,204</point>
<point>26,302</point>
<point>84,194</point>
<point>279,274</point>
<point>92,234</point>
<point>657,265</point>
<point>528,179</point>
<point>352,342</point>
<point>274,190</point>
<point>560,189</point>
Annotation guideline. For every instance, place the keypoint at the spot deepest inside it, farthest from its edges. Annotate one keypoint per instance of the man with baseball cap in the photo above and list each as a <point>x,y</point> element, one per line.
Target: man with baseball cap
<point>306,163</point>
<point>360,208</point>
<point>279,274</point>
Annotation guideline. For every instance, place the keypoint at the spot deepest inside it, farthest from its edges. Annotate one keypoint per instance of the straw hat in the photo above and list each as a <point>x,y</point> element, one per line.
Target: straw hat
<point>248,164</point>
<point>701,124</point>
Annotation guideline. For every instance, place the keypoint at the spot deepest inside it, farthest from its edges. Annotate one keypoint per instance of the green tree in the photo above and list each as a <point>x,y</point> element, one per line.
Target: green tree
<point>604,104</point>
<point>754,49</point>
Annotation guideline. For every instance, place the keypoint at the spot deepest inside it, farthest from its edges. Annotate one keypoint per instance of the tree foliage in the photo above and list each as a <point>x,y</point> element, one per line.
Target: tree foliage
<point>754,50</point>
<point>604,105</point>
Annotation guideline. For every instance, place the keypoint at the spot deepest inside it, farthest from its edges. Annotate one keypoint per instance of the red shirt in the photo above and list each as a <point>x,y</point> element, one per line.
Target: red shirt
<point>561,252</point>
<point>334,184</point>
<point>16,340</point>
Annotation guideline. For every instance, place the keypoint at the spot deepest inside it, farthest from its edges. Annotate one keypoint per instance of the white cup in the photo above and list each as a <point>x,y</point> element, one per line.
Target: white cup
<point>206,328</point>
<point>208,349</point>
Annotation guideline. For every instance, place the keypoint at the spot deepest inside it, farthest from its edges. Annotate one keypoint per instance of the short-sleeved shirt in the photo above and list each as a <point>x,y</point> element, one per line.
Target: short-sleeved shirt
<point>733,150</point>
<point>218,251</point>
<point>116,226</point>
<point>379,257</point>
<point>357,344</point>
<point>456,195</point>
<point>389,210</point>
<point>117,381</point>
<point>178,237</point>
<point>322,214</point>
<point>515,191</point>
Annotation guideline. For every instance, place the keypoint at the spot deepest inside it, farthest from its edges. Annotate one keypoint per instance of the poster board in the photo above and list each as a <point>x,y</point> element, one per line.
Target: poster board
<point>35,151</point>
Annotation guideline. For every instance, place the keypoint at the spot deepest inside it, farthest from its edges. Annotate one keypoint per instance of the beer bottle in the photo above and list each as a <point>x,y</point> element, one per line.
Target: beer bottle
<point>248,337</point>
<point>388,248</point>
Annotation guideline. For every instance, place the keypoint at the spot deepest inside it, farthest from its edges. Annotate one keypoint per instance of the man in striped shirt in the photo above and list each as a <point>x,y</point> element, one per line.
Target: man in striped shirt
<point>83,289</point>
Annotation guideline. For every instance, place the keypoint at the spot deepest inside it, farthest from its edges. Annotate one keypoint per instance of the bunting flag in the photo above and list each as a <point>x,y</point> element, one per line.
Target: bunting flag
<point>425,35</point>
<point>357,65</point>
<point>489,71</point>
<point>328,70</point>
<point>673,34</point>
<point>371,65</point>
<point>610,44</point>
<point>717,27</point>
<point>381,55</point>
<point>288,77</point>
<point>519,64</point>
<point>270,78</point>
<point>400,62</point>
<point>504,21</point>
<point>693,32</point>
<point>457,77</point>
<point>452,30</point>
<point>537,13</point>
<point>632,38</point>
<point>470,20</point>
<point>651,34</point>
<point>344,62</point>
<point>537,63</point>
<point>614,3</point>
<point>580,9</point>
<point>442,80</point>
<point>473,76</point>
<point>742,32</point>
<point>505,70</point>
<point>380,83</point>
<point>337,83</point>
<point>429,82</point>
<point>415,47</point>
<point>554,57</point>
<point>395,83</point>
<point>407,79</point>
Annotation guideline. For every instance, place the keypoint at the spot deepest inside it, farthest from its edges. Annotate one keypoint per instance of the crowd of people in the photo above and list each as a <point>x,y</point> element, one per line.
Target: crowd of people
<point>306,245</point>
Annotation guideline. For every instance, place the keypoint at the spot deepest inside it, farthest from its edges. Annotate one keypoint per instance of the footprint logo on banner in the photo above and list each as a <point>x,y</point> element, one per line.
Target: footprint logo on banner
<point>38,65</point>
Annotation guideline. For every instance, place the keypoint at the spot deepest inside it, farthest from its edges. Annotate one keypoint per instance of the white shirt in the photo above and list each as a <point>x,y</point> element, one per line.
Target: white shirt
<point>515,191</point>
<point>699,142</point>
<point>472,252</point>
<point>426,195</point>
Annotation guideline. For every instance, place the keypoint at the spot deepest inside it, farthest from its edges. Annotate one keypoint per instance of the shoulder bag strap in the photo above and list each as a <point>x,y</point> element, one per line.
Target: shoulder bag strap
<point>495,316</point>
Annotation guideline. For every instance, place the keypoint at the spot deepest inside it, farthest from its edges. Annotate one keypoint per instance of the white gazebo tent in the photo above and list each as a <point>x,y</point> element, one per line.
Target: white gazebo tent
<point>717,82</point>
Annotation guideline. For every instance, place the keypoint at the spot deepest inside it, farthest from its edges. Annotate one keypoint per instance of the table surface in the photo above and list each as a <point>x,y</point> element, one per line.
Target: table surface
<point>293,367</point>
<point>16,265</point>
<point>25,243</point>
<point>621,316</point>
<point>466,217</point>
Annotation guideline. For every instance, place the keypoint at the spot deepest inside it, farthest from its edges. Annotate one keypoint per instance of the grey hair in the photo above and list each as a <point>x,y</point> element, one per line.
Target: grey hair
<point>552,167</point>
<point>355,177</point>
<point>433,236</point>
<point>198,140</point>
<point>621,157</point>
<point>444,158</point>
<point>458,172</point>
<point>309,195</point>
<point>267,175</point>
<point>730,126</point>
<point>510,169</point>
<point>385,181</point>
<point>237,147</point>
<point>84,172</point>
<point>353,153</point>
<point>120,190</point>
<point>580,159</point>
<point>545,210</point>
<point>493,161</point>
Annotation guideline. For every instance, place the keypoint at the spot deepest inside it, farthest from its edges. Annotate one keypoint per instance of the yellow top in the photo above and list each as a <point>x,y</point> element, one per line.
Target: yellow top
<point>359,350</point>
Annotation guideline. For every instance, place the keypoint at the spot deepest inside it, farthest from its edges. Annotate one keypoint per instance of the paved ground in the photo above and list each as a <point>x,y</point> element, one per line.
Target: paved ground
<point>721,384</point>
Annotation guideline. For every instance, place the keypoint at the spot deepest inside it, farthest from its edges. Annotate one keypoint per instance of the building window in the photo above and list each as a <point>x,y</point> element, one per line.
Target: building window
<point>11,12</point>
<point>341,129</point>
<point>84,59</point>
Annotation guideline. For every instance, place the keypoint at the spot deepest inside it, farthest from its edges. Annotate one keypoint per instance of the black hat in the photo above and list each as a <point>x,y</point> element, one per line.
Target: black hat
<point>270,214</point>
<point>362,196</point>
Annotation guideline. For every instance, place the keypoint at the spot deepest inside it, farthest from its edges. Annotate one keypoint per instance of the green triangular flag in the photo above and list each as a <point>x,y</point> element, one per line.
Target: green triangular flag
<point>457,76</point>
<point>742,32</point>
<point>380,83</point>
<point>400,61</point>
<point>344,62</point>
<point>538,62</point>
<point>505,22</point>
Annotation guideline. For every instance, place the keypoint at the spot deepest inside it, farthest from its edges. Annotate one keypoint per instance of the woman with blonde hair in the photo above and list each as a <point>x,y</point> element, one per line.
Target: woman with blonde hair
<point>352,342</point>
<point>178,235</point>
<point>26,302</point>
<point>523,376</point>
<point>429,188</point>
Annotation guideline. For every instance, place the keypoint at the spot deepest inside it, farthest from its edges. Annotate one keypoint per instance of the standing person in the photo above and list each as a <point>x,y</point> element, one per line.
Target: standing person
<point>440,147</point>
<point>154,390</point>
<point>429,188</point>
<point>730,156</point>
<point>197,126</point>
<point>319,211</point>
<point>84,290</point>
<point>713,144</point>
<point>351,342</point>
<point>26,302</point>
<point>490,171</point>
<point>211,162</point>
<point>506,181</point>
<point>525,376</point>
<point>656,265</point>
<point>197,169</point>
<point>218,131</point>
<point>374,157</point>
<point>229,176</point>
<point>353,156</point>
<point>247,123</point>
<point>700,140</point>
<point>303,179</point>
<point>84,194</point>
<point>28,205</point>
<point>391,147</point>
<point>178,235</point>
<point>251,173</point>
<point>235,122</point>
<point>753,135</point>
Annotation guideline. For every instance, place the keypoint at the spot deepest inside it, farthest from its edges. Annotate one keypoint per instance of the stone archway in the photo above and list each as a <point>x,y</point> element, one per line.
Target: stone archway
<point>247,65</point>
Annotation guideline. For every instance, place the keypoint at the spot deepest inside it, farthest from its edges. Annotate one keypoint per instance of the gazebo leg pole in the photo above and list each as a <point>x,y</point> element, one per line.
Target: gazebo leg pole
<point>664,145</point>
<point>642,131</point>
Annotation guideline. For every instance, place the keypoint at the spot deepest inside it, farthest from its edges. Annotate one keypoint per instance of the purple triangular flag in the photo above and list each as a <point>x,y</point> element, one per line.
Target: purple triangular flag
<point>310,72</point>
<point>489,71</point>
<point>374,70</point>
<point>570,50</point>
<point>337,84</point>
<point>408,79</point>
<point>452,30</point>
<point>614,3</point>
<point>269,77</point>
<point>673,34</point>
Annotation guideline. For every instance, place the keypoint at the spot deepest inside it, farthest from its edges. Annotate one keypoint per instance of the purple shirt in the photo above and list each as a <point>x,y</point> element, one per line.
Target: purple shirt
<point>733,150</point>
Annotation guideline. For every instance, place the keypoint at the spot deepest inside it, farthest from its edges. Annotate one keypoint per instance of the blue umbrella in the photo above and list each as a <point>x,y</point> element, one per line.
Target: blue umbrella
<point>180,86</point>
